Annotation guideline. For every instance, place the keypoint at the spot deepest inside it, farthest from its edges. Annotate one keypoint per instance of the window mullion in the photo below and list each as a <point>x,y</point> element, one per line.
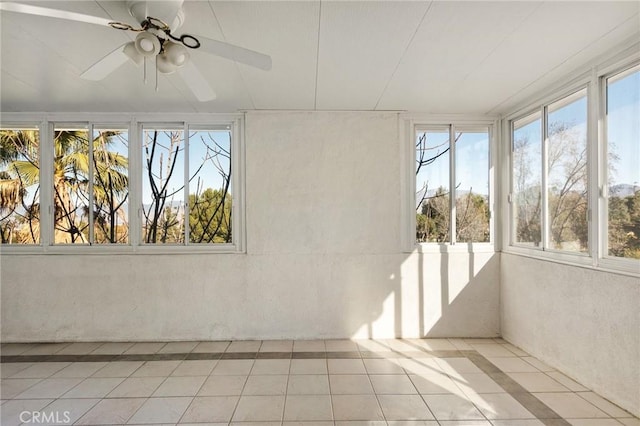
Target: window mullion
<point>46,184</point>
<point>135,183</point>
<point>544,220</point>
<point>185,221</point>
<point>452,185</point>
<point>91,175</point>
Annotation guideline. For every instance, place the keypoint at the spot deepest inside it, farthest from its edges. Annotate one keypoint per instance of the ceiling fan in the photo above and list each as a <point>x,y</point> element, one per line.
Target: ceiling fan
<point>155,40</point>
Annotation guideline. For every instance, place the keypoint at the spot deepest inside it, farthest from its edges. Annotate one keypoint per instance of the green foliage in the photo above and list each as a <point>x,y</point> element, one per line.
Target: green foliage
<point>624,226</point>
<point>210,217</point>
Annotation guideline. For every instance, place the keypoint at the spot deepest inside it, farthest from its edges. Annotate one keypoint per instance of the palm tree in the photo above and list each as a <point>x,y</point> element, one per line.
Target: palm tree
<point>72,203</point>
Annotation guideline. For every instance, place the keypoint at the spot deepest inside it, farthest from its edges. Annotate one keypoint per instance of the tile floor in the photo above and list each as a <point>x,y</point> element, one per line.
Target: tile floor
<point>412,382</point>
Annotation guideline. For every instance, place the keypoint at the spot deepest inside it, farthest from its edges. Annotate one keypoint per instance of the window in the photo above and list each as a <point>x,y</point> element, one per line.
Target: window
<point>461,163</point>
<point>549,176</point>
<point>206,218</point>
<point>623,164</point>
<point>178,190</point>
<point>20,185</point>
<point>90,184</point>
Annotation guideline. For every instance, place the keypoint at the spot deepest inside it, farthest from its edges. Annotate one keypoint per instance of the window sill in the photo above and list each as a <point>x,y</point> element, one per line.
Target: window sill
<point>83,250</point>
<point>454,248</point>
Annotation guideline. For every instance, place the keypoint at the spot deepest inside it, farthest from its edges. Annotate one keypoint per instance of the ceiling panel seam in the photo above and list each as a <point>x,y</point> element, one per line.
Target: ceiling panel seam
<point>315,94</point>
<point>413,36</point>
<point>224,38</point>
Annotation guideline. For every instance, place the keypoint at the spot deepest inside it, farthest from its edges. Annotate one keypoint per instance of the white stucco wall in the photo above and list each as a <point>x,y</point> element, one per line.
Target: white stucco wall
<point>323,257</point>
<point>585,323</point>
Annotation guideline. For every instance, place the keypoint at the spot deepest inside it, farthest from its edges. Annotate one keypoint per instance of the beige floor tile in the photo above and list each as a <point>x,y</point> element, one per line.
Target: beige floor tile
<point>46,349</point>
<point>400,345</point>
<point>9,369</point>
<point>40,370</point>
<point>223,386</point>
<point>94,387</point>
<point>392,384</point>
<point>271,366</point>
<point>569,405</point>
<point>516,350</point>
<point>211,347</point>
<point>112,411</point>
<point>145,348</point>
<point>68,411</point>
<point>10,388</point>
<point>593,422</point>
<point>49,388</point>
<point>350,384</point>
<point>156,369</point>
<point>180,386</point>
<point>356,407</point>
<point>412,423</point>
<point>460,344</point>
<point>136,387</point>
<point>11,410</point>
<point>194,368</point>
<point>513,365</point>
<point>9,349</point>
<point>210,409</point>
<point>112,348</point>
<point>538,364</point>
<point>404,407</point>
<point>161,410</point>
<point>537,382</point>
<point>259,408</point>
<point>464,423</point>
<point>308,366</point>
<point>233,367</point>
<point>477,383</point>
<point>500,406</point>
<point>245,346</point>
<point>567,382</point>
<point>629,421</point>
<point>308,384</point>
<point>177,348</point>
<point>420,366</point>
<point>80,369</point>
<point>346,366</point>
<point>308,408</point>
<point>606,406</point>
<point>276,346</point>
<point>374,423</point>
<point>119,369</point>
<point>383,366</point>
<point>452,407</point>
<point>493,350</point>
<point>79,348</point>
<point>266,385</point>
<point>372,346</point>
<point>435,383</point>
<point>433,344</point>
<point>528,422</point>
<point>455,366</point>
<point>309,346</point>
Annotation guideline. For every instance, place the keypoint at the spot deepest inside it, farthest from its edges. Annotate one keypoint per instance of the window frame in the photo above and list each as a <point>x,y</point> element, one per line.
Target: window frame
<point>133,123</point>
<point>410,124</point>
<point>594,80</point>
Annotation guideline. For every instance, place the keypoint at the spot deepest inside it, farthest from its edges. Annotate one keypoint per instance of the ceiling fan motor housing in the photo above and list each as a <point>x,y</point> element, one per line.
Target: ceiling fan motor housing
<point>168,11</point>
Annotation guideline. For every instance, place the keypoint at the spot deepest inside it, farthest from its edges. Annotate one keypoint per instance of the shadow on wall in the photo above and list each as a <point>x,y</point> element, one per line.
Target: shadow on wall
<point>422,295</point>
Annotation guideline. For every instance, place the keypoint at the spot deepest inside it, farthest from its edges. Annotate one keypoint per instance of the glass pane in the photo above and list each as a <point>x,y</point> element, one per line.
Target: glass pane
<point>110,186</point>
<point>210,187</point>
<point>432,186</point>
<point>71,185</point>
<point>567,173</point>
<point>527,180</point>
<point>472,186</point>
<point>163,186</point>
<point>623,138</point>
<point>20,185</point>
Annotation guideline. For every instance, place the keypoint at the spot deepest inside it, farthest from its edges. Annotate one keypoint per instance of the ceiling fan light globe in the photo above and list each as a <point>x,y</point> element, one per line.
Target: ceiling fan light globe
<point>147,44</point>
<point>164,65</point>
<point>133,54</point>
<point>176,54</point>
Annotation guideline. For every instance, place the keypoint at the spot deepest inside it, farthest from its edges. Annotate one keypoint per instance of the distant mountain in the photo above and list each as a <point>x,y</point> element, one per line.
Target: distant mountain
<point>623,190</point>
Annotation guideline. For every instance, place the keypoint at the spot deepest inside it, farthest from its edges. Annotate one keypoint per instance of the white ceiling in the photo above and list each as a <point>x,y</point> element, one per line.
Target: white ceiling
<point>438,57</point>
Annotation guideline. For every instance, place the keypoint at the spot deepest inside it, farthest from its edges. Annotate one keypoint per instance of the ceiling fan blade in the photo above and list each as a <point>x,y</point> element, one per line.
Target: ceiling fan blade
<point>106,65</point>
<point>196,82</point>
<point>52,13</point>
<point>235,53</point>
